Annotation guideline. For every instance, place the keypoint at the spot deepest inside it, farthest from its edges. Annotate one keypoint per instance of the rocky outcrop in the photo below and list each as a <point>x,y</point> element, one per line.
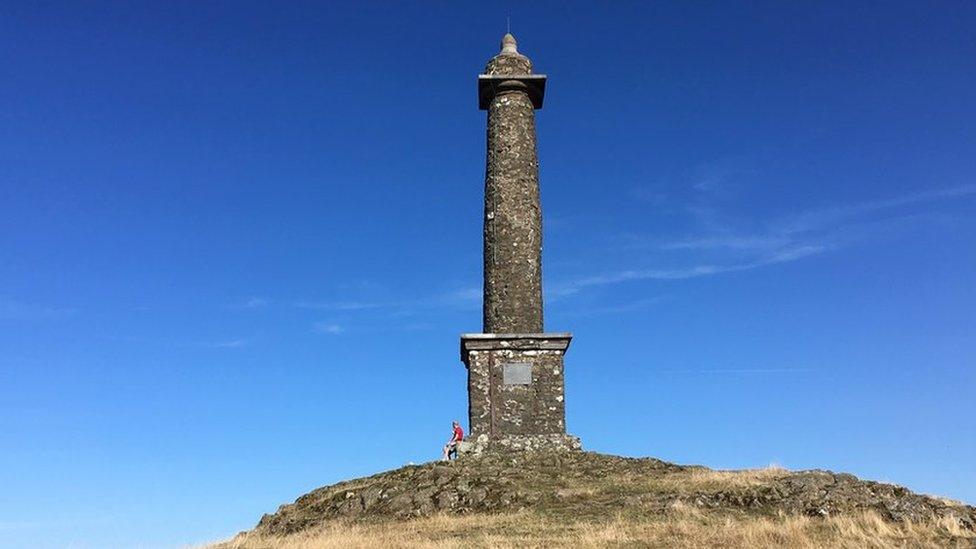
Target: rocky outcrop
<point>585,485</point>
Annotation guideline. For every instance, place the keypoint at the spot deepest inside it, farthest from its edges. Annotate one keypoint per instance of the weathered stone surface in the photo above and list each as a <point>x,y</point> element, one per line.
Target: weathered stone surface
<point>586,485</point>
<point>529,400</point>
<point>509,61</point>
<point>513,216</point>
<point>482,444</point>
<point>497,409</point>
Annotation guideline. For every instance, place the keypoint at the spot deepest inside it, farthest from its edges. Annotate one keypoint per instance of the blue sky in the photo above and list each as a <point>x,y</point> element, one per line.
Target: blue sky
<point>238,243</point>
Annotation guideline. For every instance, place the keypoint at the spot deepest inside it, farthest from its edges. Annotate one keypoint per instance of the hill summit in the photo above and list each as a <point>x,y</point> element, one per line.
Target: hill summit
<point>585,498</point>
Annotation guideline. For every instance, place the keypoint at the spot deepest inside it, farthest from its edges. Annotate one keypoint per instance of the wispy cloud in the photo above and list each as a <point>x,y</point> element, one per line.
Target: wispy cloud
<point>783,240</point>
<point>824,218</point>
<point>788,230</point>
<point>780,256</point>
<point>416,326</point>
<point>228,344</point>
<point>56,523</point>
<point>628,307</point>
<point>18,310</point>
<point>734,242</point>
<point>252,303</point>
<point>714,176</point>
<point>780,240</point>
<point>737,371</point>
<point>344,305</point>
<point>463,297</point>
<point>330,328</point>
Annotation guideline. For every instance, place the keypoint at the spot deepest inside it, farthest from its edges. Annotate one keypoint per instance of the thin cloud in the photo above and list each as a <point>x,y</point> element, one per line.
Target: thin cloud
<point>17,310</point>
<point>716,176</point>
<point>213,344</point>
<point>807,234</point>
<point>636,305</point>
<point>416,327</point>
<point>58,523</point>
<point>463,297</point>
<point>330,328</point>
<point>780,256</point>
<point>734,242</point>
<point>229,344</point>
<point>825,218</point>
<point>789,230</point>
<point>739,371</point>
<point>797,237</point>
<point>342,305</point>
<point>252,303</point>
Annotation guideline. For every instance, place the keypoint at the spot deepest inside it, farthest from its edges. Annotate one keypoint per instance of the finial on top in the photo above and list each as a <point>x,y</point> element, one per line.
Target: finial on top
<point>508,44</point>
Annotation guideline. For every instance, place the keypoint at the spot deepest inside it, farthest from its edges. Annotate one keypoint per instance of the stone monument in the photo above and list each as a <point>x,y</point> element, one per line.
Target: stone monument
<point>516,397</point>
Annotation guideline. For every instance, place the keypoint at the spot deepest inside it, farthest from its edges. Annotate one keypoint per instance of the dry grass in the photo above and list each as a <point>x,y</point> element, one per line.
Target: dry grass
<point>688,481</point>
<point>708,480</point>
<point>681,526</point>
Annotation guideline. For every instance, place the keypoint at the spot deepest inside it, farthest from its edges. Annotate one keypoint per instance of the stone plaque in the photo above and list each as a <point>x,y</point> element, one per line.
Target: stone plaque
<point>517,373</point>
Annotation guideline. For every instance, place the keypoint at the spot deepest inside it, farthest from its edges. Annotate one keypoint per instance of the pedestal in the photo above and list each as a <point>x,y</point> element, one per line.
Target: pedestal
<point>516,390</point>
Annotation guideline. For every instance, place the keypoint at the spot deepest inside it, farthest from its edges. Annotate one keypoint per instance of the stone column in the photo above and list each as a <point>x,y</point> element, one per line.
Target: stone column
<point>516,397</point>
<point>513,217</point>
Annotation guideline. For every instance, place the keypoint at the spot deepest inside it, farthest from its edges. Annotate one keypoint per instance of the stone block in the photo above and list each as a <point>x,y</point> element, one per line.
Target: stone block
<point>515,384</point>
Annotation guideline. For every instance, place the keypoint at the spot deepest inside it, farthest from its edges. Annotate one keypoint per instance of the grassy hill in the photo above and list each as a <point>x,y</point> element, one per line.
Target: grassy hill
<point>595,500</point>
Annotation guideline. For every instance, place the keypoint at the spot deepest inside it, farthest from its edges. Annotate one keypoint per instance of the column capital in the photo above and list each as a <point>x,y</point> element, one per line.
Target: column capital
<point>489,85</point>
<point>549,341</point>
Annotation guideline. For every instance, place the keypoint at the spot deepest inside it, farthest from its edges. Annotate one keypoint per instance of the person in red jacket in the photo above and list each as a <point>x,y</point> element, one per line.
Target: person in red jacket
<point>457,436</point>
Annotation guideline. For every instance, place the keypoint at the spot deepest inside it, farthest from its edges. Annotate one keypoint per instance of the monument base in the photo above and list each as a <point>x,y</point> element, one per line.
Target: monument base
<point>519,443</point>
<point>516,389</point>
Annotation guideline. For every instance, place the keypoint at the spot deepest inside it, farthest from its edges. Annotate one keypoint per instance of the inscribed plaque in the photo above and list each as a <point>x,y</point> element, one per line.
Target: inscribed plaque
<point>517,373</point>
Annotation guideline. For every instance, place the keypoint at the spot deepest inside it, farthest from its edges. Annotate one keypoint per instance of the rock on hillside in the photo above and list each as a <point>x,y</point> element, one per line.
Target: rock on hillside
<point>586,485</point>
